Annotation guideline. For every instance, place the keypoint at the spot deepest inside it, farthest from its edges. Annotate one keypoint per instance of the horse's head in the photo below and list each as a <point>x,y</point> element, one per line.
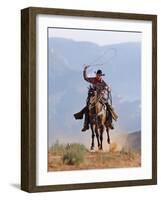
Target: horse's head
<point>92,96</point>
<point>91,91</point>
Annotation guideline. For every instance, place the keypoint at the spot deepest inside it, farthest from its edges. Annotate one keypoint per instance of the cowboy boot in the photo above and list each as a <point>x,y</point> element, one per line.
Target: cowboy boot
<point>85,127</point>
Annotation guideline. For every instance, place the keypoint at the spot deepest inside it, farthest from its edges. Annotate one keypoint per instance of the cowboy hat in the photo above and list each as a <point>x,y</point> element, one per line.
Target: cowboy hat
<point>99,72</point>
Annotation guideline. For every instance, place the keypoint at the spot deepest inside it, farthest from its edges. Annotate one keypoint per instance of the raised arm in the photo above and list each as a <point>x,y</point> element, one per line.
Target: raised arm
<point>89,79</point>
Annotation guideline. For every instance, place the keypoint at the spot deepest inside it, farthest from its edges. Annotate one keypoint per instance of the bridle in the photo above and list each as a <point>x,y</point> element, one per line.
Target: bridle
<point>94,100</point>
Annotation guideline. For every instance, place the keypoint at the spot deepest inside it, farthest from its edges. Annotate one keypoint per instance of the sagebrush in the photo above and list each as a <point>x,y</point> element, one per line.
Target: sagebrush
<point>74,154</point>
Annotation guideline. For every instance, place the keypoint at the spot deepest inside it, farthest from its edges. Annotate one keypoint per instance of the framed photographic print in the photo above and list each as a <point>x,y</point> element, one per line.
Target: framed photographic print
<point>88,99</point>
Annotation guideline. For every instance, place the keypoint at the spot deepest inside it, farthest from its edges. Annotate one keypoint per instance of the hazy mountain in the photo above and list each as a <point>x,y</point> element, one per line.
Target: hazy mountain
<point>133,141</point>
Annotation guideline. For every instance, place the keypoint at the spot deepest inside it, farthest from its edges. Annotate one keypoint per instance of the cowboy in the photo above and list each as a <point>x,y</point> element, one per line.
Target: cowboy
<point>100,85</point>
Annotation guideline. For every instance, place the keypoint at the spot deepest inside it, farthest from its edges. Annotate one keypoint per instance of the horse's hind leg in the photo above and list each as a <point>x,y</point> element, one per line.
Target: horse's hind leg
<point>92,144</point>
<point>108,136</point>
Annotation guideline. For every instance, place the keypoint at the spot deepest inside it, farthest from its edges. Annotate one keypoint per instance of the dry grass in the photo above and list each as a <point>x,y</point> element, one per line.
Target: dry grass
<point>96,160</point>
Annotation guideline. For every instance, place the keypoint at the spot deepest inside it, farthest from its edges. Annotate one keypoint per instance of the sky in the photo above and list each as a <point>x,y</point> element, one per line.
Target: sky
<point>98,37</point>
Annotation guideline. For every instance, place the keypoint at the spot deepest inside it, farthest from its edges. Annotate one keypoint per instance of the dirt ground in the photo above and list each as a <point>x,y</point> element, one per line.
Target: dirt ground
<point>96,160</point>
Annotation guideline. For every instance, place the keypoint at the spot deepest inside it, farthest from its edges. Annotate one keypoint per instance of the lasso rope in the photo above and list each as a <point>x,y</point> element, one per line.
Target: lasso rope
<point>96,62</point>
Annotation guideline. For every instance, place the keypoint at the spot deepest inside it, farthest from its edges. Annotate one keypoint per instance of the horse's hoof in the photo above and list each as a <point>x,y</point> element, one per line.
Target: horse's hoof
<point>108,140</point>
<point>92,148</point>
<point>100,148</point>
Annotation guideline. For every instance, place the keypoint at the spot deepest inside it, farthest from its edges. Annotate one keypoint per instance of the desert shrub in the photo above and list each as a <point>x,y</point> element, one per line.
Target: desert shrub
<point>74,154</point>
<point>123,151</point>
<point>131,154</point>
<point>57,148</point>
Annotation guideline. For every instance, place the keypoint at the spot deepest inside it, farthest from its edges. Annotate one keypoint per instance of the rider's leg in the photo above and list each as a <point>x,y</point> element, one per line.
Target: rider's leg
<point>86,121</point>
<point>109,117</point>
<point>110,120</point>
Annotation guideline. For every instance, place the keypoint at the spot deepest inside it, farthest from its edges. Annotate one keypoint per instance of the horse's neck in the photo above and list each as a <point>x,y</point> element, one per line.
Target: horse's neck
<point>93,100</point>
<point>99,107</point>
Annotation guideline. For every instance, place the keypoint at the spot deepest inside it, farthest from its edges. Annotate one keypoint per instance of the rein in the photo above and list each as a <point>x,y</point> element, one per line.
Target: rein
<point>95,102</point>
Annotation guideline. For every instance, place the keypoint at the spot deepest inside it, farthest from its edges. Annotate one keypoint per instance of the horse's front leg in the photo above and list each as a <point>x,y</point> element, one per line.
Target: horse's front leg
<point>108,135</point>
<point>97,136</point>
<point>101,137</point>
<point>92,144</point>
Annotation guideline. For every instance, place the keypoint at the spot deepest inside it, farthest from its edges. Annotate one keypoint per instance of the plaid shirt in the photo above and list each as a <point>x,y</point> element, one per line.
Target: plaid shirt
<point>98,84</point>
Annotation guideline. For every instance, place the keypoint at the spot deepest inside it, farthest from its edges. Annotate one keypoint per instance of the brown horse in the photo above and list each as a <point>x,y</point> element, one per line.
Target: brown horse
<point>98,115</point>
